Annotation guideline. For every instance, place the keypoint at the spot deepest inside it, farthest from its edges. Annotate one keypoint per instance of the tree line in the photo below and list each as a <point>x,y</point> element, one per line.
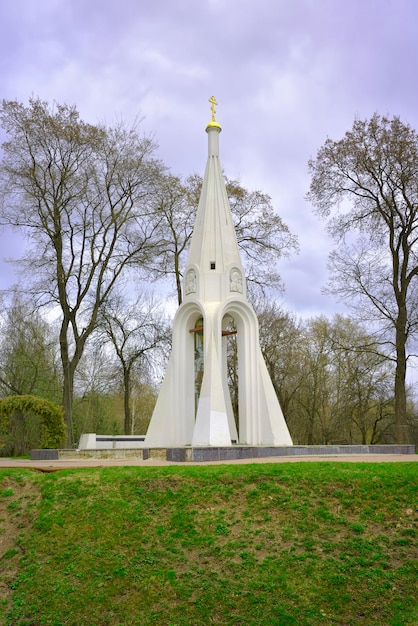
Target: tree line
<point>105,219</point>
<point>333,382</point>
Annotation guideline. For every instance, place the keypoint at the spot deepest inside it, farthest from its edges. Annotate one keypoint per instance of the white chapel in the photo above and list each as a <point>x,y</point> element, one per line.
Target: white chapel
<point>194,406</point>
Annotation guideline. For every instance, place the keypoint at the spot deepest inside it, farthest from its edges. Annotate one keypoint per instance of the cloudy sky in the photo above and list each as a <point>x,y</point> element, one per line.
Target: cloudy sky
<point>286,74</point>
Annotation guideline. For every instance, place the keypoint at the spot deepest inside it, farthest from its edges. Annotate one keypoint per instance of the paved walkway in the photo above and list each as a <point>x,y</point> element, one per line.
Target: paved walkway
<point>51,466</point>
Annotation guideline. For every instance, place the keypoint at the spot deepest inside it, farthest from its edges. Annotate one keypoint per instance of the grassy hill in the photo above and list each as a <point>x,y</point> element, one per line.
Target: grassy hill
<point>293,543</point>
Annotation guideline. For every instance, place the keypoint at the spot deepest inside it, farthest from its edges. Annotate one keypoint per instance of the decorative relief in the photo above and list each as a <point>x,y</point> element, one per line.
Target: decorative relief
<point>191,282</point>
<point>235,281</point>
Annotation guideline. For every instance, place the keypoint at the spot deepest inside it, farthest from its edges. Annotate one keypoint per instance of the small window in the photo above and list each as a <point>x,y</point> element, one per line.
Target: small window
<point>212,265</point>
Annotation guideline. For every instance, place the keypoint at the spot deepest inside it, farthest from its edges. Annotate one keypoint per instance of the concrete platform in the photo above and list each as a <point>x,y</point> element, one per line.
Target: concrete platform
<point>230,453</point>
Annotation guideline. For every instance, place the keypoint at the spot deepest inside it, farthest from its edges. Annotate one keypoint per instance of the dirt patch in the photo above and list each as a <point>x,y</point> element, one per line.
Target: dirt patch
<point>18,497</point>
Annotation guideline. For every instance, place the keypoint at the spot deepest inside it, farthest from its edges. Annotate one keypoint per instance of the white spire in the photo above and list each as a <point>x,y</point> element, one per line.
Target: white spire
<point>214,252</point>
<point>194,405</point>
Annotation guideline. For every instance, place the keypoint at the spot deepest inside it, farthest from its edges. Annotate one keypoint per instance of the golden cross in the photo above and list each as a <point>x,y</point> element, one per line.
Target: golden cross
<point>213,102</point>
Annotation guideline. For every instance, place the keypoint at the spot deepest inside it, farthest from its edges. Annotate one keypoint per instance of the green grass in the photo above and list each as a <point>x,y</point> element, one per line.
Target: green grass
<point>285,544</point>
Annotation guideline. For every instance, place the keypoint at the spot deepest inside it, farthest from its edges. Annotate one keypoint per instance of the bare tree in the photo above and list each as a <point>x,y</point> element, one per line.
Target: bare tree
<point>330,378</point>
<point>95,387</point>
<point>364,403</point>
<point>263,237</point>
<point>177,210</point>
<point>366,186</point>
<point>281,341</point>
<point>28,353</point>
<point>135,330</point>
<point>82,195</point>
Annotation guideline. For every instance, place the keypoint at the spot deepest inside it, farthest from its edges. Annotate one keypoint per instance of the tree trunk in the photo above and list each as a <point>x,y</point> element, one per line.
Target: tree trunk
<point>310,433</point>
<point>67,403</point>
<point>127,401</point>
<point>178,278</point>
<point>68,384</point>
<point>402,434</point>
<point>69,366</point>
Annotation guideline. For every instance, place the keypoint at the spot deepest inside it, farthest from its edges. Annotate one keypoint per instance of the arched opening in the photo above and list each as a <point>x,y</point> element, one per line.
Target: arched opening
<point>199,360</point>
<point>231,369</point>
<point>241,360</point>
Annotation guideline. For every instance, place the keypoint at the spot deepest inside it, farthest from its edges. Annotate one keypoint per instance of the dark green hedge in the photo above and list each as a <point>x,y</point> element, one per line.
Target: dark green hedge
<point>51,416</point>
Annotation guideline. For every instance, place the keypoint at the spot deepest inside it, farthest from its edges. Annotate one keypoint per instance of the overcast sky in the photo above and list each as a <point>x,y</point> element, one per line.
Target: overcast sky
<point>286,74</point>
